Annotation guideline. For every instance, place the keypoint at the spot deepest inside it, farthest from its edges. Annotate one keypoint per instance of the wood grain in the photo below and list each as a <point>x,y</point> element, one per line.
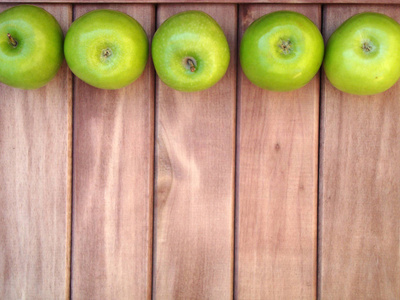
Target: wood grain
<point>113,182</point>
<point>276,182</point>
<point>195,180</point>
<point>35,185</point>
<point>359,190</point>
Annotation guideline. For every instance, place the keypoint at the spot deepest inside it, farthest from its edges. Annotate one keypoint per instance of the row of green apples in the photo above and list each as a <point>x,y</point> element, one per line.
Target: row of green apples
<point>280,51</point>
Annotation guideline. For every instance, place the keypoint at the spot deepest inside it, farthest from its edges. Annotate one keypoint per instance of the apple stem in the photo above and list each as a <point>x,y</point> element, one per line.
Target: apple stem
<point>286,46</point>
<point>107,53</point>
<point>13,42</point>
<point>191,64</point>
<point>366,47</point>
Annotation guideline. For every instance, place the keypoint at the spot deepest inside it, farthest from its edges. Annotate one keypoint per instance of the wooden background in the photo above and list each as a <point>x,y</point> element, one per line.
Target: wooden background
<point>233,192</point>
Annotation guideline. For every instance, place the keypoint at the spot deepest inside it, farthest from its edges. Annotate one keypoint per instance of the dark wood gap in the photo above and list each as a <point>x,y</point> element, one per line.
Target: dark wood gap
<point>319,163</point>
<point>236,172</point>
<point>155,165</point>
<point>72,172</point>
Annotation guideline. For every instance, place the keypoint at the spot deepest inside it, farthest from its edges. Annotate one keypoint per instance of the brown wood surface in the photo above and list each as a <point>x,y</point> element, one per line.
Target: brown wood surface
<point>195,180</point>
<point>216,1</point>
<point>271,150</point>
<point>360,186</point>
<point>113,182</point>
<point>276,182</point>
<point>35,189</point>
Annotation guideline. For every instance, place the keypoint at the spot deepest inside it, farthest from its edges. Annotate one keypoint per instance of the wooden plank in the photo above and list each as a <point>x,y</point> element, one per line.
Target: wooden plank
<point>359,190</point>
<point>195,180</point>
<point>113,182</point>
<point>276,182</point>
<point>35,184</point>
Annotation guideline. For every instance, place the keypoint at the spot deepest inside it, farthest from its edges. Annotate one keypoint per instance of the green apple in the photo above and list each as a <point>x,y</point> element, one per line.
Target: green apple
<point>107,49</point>
<point>31,47</point>
<point>281,51</point>
<point>190,51</point>
<point>362,56</point>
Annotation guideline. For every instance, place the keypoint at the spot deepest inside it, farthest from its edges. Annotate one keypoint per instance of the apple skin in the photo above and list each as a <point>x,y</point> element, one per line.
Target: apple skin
<point>97,32</point>
<point>364,72</point>
<point>262,51</point>
<point>190,35</point>
<point>38,55</point>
